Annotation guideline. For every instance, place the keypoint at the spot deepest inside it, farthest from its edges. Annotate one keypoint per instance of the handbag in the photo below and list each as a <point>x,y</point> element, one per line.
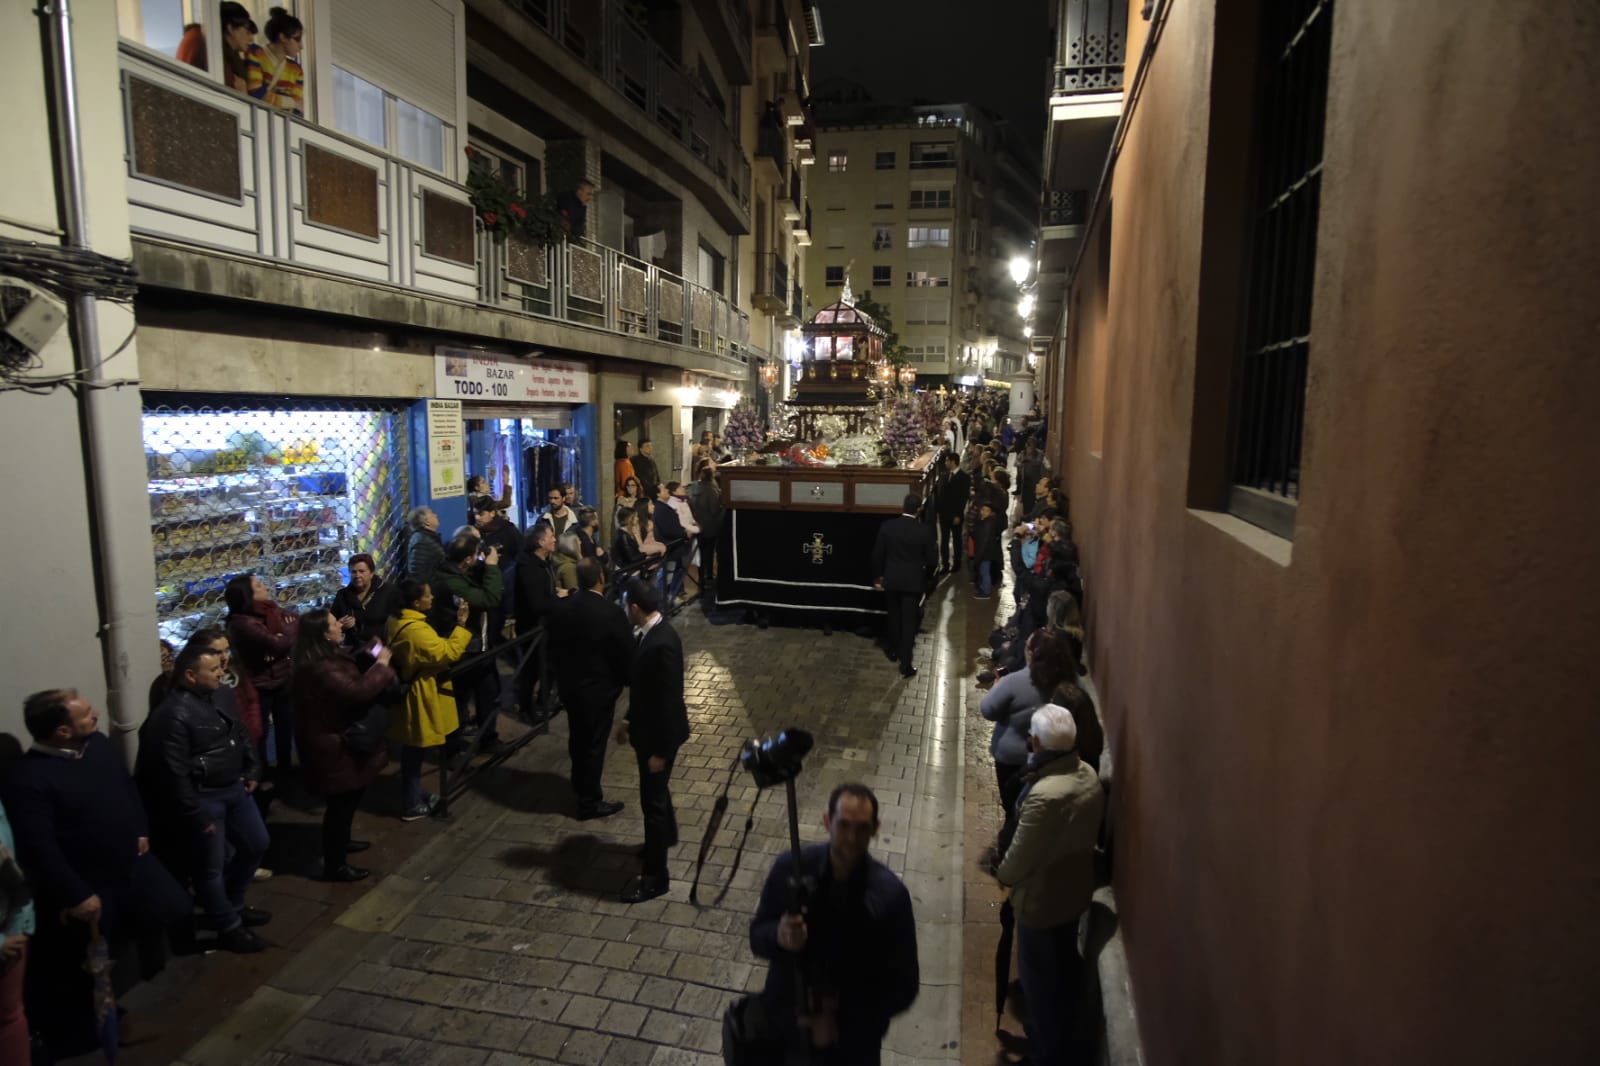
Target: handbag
<point>365,735</point>
<point>747,1036</point>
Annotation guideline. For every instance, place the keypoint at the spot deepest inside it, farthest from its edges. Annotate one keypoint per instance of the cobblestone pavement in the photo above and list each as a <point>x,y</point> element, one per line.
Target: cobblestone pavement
<point>501,941</point>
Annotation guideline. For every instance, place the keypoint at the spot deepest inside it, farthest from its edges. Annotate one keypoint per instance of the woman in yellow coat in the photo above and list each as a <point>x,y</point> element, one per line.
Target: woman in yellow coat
<point>428,716</point>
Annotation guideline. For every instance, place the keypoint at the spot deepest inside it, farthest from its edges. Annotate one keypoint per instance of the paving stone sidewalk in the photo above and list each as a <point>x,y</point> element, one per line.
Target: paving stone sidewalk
<point>502,940</point>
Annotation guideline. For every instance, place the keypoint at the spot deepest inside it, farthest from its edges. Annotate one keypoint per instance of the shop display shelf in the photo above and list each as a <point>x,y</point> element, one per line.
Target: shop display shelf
<point>171,551</point>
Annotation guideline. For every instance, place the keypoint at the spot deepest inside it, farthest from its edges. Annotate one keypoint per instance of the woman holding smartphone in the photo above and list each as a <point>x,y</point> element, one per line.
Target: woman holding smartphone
<point>332,692</point>
<point>428,717</point>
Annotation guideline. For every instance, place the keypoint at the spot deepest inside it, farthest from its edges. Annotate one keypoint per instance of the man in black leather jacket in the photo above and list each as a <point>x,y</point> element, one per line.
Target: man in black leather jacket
<point>198,766</point>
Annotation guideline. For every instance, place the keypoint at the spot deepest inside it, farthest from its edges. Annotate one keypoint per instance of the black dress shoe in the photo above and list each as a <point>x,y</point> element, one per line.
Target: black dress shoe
<point>240,941</point>
<point>254,916</point>
<point>908,671</point>
<point>890,654</point>
<point>355,846</point>
<point>646,888</point>
<point>603,809</point>
<point>347,873</point>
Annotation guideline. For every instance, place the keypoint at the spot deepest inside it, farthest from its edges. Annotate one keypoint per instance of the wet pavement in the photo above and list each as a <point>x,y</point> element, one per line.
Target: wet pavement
<point>497,938</point>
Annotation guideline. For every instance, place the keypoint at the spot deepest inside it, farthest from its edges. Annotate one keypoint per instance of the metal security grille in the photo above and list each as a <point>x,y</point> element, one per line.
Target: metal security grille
<point>1270,412</point>
<point>285,491</point>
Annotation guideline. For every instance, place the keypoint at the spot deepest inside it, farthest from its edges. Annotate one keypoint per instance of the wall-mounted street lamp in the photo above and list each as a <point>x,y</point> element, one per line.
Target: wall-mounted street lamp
<point>1020,268</point>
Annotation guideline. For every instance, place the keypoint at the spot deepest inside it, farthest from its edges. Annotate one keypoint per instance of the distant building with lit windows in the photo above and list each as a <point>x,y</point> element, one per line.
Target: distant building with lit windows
<point>924,207</point>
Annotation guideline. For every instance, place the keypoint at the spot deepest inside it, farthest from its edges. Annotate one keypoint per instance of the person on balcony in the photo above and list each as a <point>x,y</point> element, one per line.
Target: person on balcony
<point>275,74</point>
<point>238,34</point>
<point>574,208</point>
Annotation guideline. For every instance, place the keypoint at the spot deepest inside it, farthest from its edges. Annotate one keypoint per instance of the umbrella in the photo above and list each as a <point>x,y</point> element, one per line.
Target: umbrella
<point>1002,961</point>
<point>97,961</point>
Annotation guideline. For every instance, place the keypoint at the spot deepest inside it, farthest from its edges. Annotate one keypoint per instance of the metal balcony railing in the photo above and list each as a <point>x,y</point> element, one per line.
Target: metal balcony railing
<point>772,280</point>
<point>1091,45</point>
<point>1065,207</point>
<point>592,285</point>
<point>255,181</point>
<point>602,35</point>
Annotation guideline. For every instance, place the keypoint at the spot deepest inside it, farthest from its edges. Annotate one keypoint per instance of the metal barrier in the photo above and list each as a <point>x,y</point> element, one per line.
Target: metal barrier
<point>526,647</point>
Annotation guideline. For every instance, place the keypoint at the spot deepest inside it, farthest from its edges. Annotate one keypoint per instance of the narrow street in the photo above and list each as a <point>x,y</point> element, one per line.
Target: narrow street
<point>501,939</point>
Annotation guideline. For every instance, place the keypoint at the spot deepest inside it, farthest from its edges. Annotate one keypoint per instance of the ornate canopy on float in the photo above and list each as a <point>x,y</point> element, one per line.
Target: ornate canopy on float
<point>843,358</point>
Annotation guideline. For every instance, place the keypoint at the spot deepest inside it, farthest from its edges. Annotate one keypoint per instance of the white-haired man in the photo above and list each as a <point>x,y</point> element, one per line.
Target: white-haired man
<point>1049,867</point>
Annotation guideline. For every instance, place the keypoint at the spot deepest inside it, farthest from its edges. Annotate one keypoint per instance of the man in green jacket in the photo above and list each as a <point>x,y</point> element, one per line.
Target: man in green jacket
<point>473,577</point>
<point>1049,868</point>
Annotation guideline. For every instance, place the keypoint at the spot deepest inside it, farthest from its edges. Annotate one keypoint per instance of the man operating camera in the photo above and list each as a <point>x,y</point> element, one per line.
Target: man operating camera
<point>846,963</point>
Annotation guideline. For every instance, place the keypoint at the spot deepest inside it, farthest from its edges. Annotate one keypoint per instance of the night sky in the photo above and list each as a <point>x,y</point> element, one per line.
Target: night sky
<point>987,52</point>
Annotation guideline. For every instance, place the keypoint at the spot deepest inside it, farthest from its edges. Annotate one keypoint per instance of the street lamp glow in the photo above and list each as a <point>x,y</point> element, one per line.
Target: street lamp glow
<point>1025,305</point>
<point>1027,331</point>
<point>1020,268</point>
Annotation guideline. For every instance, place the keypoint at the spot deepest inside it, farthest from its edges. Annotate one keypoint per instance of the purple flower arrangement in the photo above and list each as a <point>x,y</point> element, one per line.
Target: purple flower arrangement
<point>744,432</point>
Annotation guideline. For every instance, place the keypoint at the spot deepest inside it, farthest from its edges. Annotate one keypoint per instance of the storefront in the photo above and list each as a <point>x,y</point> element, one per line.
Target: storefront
<point>285,488</point>
<point>531,417</point>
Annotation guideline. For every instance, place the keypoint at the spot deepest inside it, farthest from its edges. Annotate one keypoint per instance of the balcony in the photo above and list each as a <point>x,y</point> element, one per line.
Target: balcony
<point>256,181</point>
<point>1065,208</point>
<point>802,229</point>
<point>797,309</point>
<point>793,210</point>
<point>727,26</point>
<point>772,284</point>
<point>1091,42</point>
<point>772,150</point>
<point>774,30</point>
<point>591,285</point>
<point>251,202</point>
<point>603,41</point>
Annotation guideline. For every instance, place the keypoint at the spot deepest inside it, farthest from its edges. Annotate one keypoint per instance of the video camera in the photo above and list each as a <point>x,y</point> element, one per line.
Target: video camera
<point>775,760</point>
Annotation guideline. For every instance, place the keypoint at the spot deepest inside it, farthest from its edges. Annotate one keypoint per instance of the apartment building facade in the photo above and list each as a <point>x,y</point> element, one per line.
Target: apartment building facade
<point>922,207</point>
<point>311,284</point>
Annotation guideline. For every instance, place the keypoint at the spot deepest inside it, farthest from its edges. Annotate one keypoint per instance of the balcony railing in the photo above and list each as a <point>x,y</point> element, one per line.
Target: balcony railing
<point>255,181</point>
<point>212,167</point>
<point>1065,207</point>
<point>602,36</point>
<point>1091,46</point>
<point>592,285</point>
<point>794,206</point>
<point>772,284</point>
<point>802,229</point>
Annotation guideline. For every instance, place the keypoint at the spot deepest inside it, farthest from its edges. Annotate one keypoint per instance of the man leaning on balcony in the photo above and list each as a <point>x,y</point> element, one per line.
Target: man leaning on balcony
<point>574,208</point>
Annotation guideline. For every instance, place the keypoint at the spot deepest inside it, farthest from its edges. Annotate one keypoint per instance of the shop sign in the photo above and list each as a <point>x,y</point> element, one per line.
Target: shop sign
<point>460,374</point>
<point>447,449</point>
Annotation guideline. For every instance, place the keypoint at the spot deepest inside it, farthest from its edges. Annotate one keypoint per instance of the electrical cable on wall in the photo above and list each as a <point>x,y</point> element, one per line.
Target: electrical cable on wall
<point>46,277</point>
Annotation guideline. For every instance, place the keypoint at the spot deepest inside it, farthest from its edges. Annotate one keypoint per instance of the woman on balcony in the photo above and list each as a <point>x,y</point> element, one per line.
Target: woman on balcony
<point>275,74</point>
<point>238,34</point>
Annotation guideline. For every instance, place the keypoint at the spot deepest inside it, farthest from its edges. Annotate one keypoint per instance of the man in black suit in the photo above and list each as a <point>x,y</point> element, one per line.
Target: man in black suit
<point>951,507</point>
<point>903,559</point>
<point>591,644</point>
<point>657,724</point>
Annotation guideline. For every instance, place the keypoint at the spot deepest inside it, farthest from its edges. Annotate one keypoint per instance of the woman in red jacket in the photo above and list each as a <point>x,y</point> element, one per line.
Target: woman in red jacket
<point>331,693</point>
<point>263,636</point>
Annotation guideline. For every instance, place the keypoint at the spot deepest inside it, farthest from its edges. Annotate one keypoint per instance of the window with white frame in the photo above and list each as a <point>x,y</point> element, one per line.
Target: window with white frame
<point>369,113</point>
<point>833,276</point>
<point>882,275</point>
<point>921,279</point>
<point>925,353</point>
<point>838,162</point>
<point>930,199</point>
<point>882,238</point>
<point>928,237</point>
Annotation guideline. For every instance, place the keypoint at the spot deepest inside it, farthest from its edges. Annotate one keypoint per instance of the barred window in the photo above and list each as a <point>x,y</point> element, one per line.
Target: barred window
<point>287,492</point>
<point>833,276</point>
<point>1269,409</point>
<point>882,275</point>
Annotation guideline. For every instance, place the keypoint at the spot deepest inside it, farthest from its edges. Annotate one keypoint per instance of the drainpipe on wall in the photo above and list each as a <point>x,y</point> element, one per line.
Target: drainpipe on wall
<point>94,420</point>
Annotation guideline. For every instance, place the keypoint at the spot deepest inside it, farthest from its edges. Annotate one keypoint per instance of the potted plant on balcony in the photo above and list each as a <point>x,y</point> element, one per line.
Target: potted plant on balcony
<point>505,212</point>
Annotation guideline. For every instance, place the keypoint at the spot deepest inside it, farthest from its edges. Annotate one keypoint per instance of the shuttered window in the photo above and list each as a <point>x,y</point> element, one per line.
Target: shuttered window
<point>407,47</point>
